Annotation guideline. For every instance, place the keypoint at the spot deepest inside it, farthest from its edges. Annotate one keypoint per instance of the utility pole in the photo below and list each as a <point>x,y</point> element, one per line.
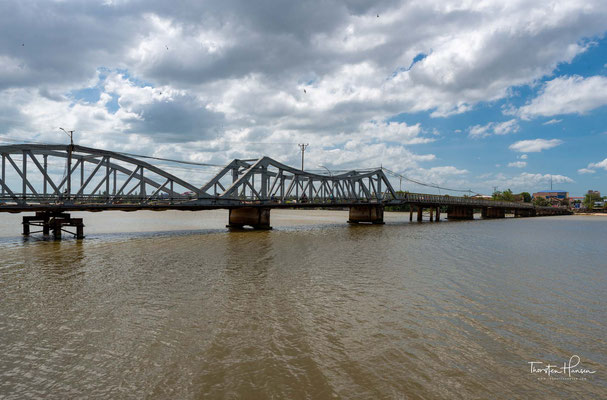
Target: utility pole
<point>303,147</point>
<point>70,149</point>
<point>70,134</point>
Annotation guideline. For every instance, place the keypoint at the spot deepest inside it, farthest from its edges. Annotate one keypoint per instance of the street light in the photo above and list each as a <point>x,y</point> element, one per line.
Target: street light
<point>330,174</point>
<point>69,162</point>
<point>70,134</point>
<point>302,146</point>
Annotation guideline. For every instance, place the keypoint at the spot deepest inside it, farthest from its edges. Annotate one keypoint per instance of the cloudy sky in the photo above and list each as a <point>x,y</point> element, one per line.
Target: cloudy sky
<point>464,94</point>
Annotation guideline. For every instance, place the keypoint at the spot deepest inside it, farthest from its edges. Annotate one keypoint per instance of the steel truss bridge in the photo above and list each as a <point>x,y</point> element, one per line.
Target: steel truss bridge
<point>100,180</point>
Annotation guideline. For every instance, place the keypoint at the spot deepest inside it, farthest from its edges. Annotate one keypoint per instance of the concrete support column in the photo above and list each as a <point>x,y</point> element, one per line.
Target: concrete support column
<point>56,227</point>
<point>80,231</point>
<point>371,213</point>
<point>460,212</point>
<point>524,212</point>
<point>40,219</point>
<point>431,214</point>
<point>57,223</point>
<point>494,212</point>
<point>437,214</point>
<point>420,210</point>
<point>26,226</point>
<point>410,212</point>
<point>255,217</point>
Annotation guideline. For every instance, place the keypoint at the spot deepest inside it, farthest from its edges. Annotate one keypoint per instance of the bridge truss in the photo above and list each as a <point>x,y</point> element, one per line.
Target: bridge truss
<point>101,179</point>
<point>96,180</point>
<point>90,176</point>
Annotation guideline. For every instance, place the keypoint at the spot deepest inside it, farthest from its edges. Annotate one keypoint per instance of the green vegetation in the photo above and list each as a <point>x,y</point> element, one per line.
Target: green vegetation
<point>589,200</point>
<point>541,202</point>
<point>506,195</point>
<point>526,197</point>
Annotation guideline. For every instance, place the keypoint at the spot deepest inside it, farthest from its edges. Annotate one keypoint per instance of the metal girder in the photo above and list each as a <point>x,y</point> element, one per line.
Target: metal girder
<point>115,166</point>
<point>241,182</point>
<point>295,185</point>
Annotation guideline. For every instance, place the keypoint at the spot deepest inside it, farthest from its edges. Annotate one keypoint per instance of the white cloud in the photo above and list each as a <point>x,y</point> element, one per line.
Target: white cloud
<point>211,81</point>
<point>568,95</point>
<point>394,132</point>
<point>517,164</point>
<point>600,164</point>
<point>592,167</point>
<point>478,131</point>
<point>535,145</point>
<point>553,121</point>
<point>523,156</point>
<point>495,128</point>
<point>526,181</point>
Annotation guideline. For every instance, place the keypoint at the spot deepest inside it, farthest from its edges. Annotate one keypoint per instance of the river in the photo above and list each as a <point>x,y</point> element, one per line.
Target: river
<point>172,305</point>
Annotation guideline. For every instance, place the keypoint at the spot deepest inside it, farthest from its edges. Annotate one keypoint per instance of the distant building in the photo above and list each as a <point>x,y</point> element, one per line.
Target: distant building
<point>576,202</point>
<point>594,192</point>
<point>553,194</point>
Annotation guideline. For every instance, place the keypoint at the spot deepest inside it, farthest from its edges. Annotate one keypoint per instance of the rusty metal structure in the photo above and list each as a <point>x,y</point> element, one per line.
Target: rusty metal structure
<point>101,180</point>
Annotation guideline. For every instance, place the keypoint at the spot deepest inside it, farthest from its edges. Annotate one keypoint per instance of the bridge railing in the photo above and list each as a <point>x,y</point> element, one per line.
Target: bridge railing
<point>39,175</point>
<point>421,198</point>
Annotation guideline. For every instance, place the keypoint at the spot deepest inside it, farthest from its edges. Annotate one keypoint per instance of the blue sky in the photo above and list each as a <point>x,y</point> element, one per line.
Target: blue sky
<point>463,95</point>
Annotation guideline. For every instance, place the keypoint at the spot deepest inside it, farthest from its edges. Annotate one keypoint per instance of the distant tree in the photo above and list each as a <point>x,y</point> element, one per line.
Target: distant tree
<point>589,200</point>
<point>506,195</point>
<point>526,197</point>
<point>541,202</point>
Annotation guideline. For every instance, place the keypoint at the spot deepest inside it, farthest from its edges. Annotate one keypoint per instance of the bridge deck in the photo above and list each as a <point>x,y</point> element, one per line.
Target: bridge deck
<point>56,178</point>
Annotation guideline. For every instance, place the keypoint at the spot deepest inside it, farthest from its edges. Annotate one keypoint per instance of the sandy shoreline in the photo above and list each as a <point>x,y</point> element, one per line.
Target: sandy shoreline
<point>593,214</point>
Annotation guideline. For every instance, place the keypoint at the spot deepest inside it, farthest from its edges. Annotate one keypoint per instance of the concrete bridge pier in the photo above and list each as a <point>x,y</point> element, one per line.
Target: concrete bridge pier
<point>410,213</point>
<point>524,212</point>
<point>255,217</point>
<point>431,214</point>
<point>420,212</point>
<point>57,223</point>
<point>493,212</point>
<point>53,222</point>
<point>437,214</point>
<point>372,213</point>
<point>460,212</point>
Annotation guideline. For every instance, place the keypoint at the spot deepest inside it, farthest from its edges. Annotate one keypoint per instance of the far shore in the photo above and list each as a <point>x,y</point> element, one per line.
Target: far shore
<point>595,214</point>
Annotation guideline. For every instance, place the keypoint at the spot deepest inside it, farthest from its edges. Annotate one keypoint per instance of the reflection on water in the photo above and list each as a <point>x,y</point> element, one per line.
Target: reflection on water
<point>177,307</point>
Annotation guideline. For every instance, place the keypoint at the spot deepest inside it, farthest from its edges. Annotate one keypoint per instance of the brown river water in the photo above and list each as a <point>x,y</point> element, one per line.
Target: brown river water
<point>173,306</point>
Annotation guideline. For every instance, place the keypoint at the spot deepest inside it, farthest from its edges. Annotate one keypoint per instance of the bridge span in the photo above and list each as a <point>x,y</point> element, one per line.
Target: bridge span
<point>99,180</point>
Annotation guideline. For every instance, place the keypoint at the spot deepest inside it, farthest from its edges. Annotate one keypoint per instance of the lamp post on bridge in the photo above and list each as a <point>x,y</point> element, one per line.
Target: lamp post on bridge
<point>69,161</point>
<point>70,134</point>
<point>303,147</point>
<point>330,174</point>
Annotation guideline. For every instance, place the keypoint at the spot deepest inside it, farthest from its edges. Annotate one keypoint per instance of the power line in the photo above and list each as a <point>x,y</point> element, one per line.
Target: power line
<point>171,160</point>
<point>395,174</point>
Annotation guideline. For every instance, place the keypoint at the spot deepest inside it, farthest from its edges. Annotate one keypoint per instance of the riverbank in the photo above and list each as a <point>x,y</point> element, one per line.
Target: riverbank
<point>592,214</point>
